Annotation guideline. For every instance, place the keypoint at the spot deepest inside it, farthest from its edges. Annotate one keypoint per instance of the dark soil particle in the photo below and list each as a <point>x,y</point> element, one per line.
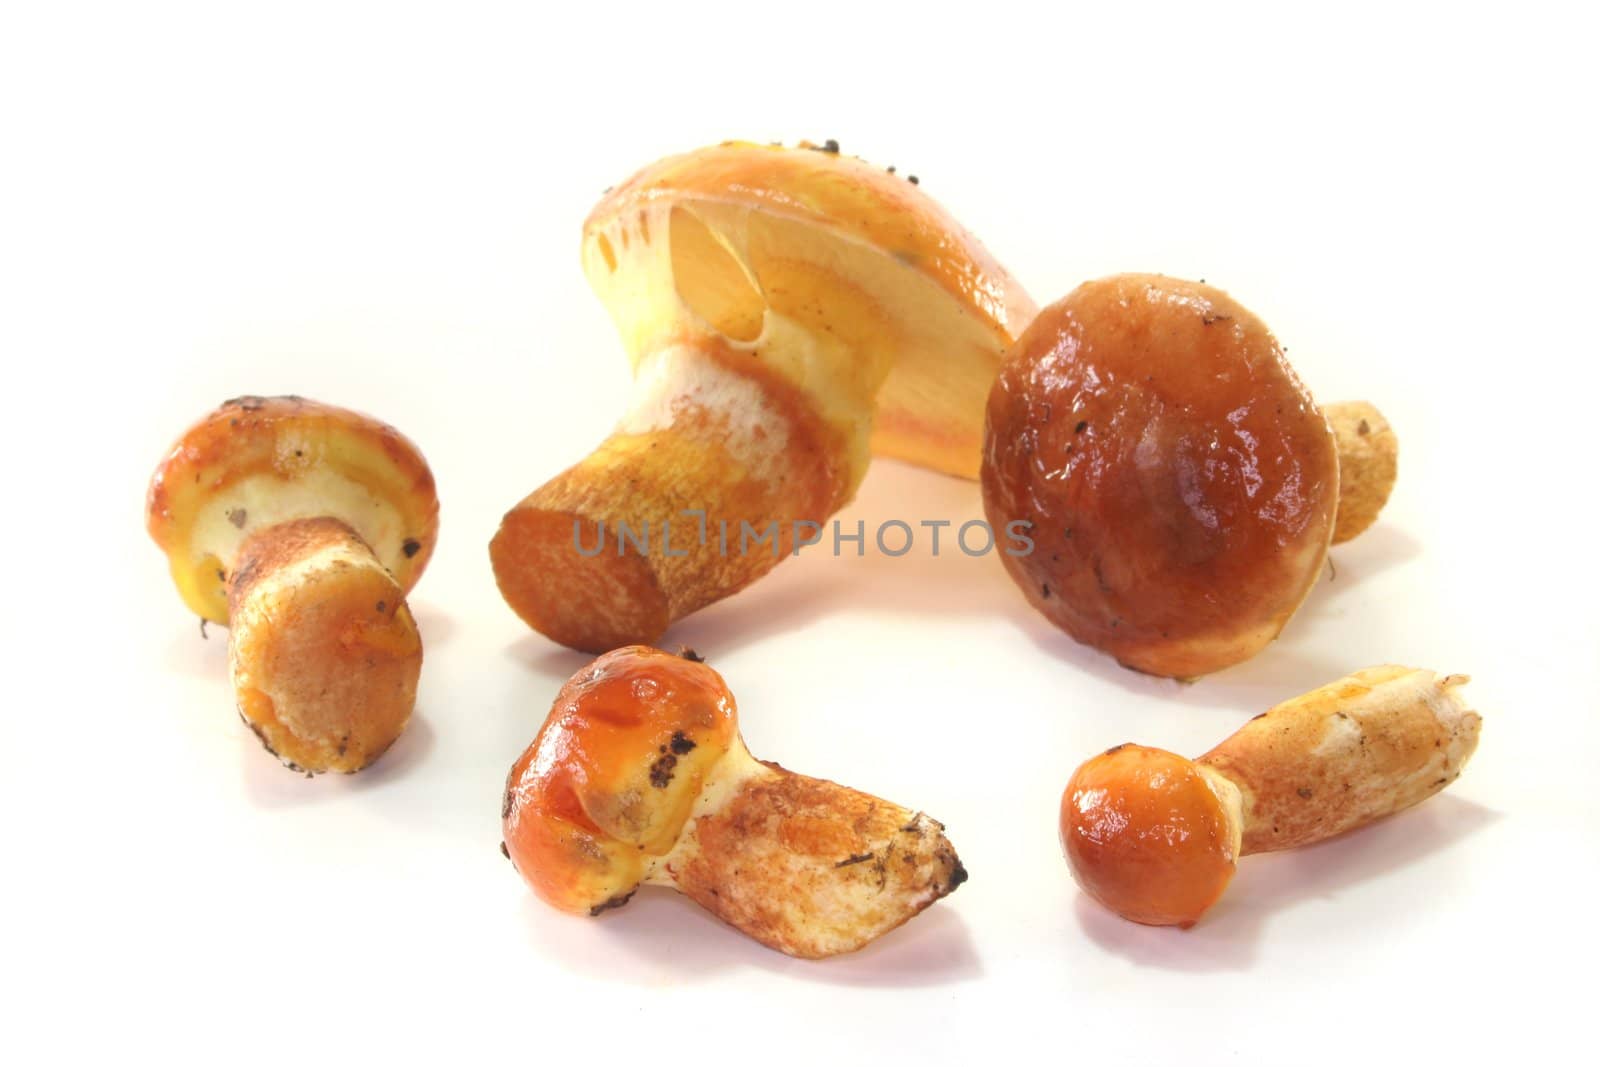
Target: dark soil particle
<point>615,902</point>
<point>661,771</point>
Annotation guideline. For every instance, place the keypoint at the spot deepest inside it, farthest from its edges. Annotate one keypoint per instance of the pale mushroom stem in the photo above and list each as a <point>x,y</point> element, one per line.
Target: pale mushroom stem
<point>804,865</point>
<point>1347,754</point>
<point>1368,463</point>
<point>323,651</point>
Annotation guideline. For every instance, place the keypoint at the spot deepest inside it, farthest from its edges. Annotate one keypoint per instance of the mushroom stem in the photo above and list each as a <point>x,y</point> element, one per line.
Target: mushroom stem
<point>1368,464</point>
<point>1346,754</point>
<point>804,865</point>
<point>324,653</point>
<point>703,488</point>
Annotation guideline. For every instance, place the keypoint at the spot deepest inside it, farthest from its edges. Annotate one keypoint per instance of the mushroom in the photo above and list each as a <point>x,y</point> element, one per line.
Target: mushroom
<point>787,312</point>
<point>302,526</point>
<point>1155,837</point>
<point>1179,485</point>
<point>639,777</point>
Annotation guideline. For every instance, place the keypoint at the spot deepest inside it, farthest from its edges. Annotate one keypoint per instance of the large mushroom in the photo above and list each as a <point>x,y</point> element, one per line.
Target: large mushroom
<point>1179,486</point>
<point>788,312</point>
<point>302,527</point>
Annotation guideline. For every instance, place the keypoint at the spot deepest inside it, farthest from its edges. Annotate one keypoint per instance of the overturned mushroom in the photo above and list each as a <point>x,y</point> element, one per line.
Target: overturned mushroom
<point>639,777</point>
<point>302,526</point>
<point>787,312</point>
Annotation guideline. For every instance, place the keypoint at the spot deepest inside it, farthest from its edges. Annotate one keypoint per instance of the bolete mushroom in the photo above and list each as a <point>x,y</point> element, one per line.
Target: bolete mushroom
<point>787,311</point>
<point>639,777</point>
<point>302,527</point>
<point>1155,837</point>
<point>1179,485</point>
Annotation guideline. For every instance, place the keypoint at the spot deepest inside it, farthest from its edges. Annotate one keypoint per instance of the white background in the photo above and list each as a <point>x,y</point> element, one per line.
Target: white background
<point>380,207</point>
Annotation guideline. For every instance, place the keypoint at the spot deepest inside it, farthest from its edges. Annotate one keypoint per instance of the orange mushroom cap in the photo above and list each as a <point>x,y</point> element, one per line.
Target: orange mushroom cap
<point>259,461</point>
<point>1146,834</point>
<point>613,775</point>
<point>837,191</point>
<point>844,249</point>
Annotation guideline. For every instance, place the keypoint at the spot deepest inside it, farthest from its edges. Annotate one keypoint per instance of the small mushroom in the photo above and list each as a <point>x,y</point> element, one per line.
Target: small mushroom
<point>302,526</point>
<point>1155,837</point>
<point>1180,486</point>
<point>639,777</point>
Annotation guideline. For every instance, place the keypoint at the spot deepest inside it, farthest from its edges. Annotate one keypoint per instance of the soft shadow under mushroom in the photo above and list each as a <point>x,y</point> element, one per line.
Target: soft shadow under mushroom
<point>664,936</point>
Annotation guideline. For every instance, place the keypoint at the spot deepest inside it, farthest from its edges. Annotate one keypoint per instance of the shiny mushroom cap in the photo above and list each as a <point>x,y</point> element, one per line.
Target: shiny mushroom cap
<point>614,775</point>
<point>1151,835</point>
<point>1180,482</point>
<point>256,462</point>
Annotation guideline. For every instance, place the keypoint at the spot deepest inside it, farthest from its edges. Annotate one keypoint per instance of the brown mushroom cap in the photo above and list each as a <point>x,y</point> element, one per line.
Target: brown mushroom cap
<point>259,461</point>
<point>1180,481</point>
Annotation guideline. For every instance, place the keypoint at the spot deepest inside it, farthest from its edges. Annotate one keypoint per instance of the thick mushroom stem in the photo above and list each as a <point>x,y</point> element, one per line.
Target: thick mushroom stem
<point>324,653</point>
<point>709,481</point>
<point>1346,754</point>
<point>1369,455</point>
<point>804,865</point>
